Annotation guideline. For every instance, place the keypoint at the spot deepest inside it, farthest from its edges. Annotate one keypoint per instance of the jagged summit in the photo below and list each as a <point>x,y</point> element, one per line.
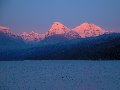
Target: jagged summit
<point>89,30</point>
<point>32,36</point>
<point>57,28</point>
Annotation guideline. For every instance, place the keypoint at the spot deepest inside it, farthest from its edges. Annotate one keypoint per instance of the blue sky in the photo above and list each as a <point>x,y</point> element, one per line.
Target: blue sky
<point>38,15</point>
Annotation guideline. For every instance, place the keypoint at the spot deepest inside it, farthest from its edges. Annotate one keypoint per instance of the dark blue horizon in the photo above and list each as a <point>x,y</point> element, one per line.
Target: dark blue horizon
<point>38,15</point>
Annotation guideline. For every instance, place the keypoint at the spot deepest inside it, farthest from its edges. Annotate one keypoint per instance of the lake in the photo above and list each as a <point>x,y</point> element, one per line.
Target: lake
<point>59,75</point>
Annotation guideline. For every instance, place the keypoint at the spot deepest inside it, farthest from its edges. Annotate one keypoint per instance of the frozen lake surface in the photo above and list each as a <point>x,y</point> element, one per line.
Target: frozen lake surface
<point>60,75</point>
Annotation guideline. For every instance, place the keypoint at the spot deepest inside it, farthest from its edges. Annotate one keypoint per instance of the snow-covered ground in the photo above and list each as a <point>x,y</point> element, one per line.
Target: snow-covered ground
<point>60,75</point>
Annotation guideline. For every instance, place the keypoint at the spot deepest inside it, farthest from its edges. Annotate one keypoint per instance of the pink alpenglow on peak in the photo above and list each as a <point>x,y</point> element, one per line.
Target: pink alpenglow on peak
<point>7,31</point>
<point>32,36</point>
<point>57,28</point>
<point>4,29</point>
<point>89,30</point>
<point>82,31</point>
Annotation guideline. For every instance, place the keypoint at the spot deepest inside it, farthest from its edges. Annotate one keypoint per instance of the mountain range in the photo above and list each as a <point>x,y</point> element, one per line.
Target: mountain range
<point>82,31</point>
<point>86,42</point>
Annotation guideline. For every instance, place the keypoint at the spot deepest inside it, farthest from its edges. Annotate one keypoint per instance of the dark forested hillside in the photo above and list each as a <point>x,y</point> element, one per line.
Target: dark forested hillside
<point>104,47</point>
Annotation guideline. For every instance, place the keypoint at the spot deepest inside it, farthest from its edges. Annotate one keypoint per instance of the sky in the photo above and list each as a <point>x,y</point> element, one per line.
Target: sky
<point>38,15</point>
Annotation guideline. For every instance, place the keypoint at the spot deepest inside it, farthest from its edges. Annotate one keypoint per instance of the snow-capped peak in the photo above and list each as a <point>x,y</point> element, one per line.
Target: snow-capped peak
<point>89,30</point>
<point>57,28</point>
<point>32,36</point>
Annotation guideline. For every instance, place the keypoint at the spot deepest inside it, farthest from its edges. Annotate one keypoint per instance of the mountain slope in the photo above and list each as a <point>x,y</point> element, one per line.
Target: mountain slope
<point>9,39</point>
<point>7,31</point>
<point>104,47</point>
<point>72,35</point>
